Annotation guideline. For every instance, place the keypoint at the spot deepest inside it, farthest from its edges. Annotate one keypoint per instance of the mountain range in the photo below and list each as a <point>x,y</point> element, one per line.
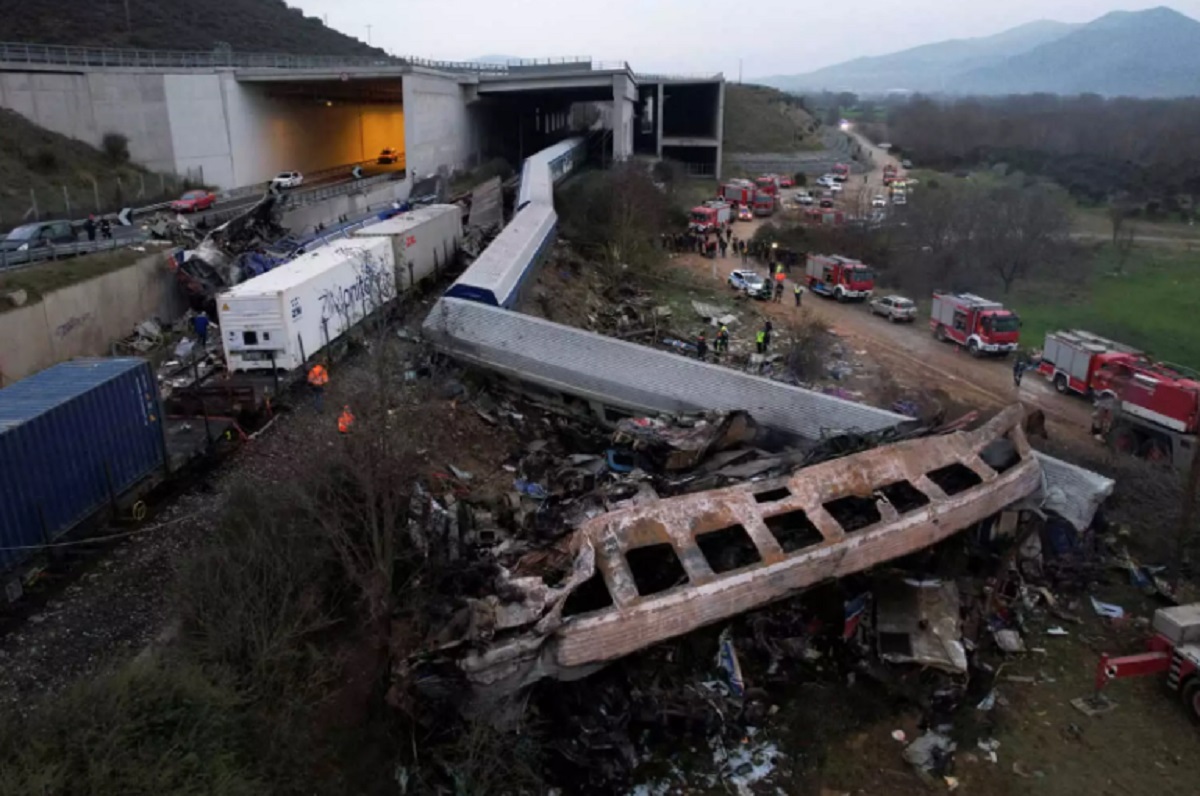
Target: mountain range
<point>1151,53</point>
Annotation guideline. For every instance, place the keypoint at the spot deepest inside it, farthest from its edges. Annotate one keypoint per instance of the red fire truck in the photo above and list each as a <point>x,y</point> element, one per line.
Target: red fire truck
<point>840,172</point>
<point>768,184</point>
<point>763,204</point>
<point>710,216</point>
<point>824,216</point>
<point>737,192</point>
<point>1174,648</point>
<point>1155,407</point>
<point>889,174</point>
<point>982,326</point>
<point>838,277</point>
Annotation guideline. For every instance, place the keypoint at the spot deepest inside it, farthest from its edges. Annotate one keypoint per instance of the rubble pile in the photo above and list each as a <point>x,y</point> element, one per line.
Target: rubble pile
<point>505,638</point>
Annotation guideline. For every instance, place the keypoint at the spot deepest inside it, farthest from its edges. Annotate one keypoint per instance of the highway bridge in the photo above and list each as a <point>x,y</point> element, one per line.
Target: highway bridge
<point>239,118</point>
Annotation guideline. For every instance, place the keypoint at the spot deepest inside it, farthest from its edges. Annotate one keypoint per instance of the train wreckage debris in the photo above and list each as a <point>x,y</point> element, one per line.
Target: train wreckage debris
<point>656,569</point>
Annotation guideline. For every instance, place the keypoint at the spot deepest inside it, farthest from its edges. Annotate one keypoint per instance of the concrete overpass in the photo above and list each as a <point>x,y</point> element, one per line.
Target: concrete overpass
<point>238,118</point>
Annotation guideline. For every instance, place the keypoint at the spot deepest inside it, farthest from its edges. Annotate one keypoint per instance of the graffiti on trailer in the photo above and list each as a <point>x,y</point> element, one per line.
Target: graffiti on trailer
<point>72,324</point>
<point>371,288</point>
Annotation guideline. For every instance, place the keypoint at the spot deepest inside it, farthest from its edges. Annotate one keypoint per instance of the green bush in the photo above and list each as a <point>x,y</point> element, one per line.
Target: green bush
<point>116,147</point>
<point>145,729</point>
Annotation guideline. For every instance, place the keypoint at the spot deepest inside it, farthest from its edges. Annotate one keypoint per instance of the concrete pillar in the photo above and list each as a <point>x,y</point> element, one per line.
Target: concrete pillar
<point>720,125</point>
<point>658,120</point>
<point>624,97</point>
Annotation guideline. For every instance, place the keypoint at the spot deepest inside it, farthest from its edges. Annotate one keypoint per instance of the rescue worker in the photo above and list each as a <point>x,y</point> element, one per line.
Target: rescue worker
<point>89,227</point>
<point>1018,371</point>
<point>760,340</point>
<point>779,291</point>
<point>345,420</point>
<point>724,246</point>
<point>701,348</point>
<point>200,324</point>
<point>318,377</point>
<point>722,346</point>
<point>106,229</point>
<point>767,329</point>
<point>799,293</point>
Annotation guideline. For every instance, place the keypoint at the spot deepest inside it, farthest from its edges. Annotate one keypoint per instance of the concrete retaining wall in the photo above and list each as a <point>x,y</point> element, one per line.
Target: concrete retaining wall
<point>302,220</point>
<point>441,129</point>
<point>85,319</point>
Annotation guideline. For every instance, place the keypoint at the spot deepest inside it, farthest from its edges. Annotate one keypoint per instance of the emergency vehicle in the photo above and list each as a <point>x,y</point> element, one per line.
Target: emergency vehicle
<point>763,204</point>
<point>737,192</point>
<point>838,277</point>
<point>1155,406</point>
<point>768,184</point>
<point>980,325</point>
<point>889,174</point>
<point>840,172</point>
<point>710,216</point>
<point>1174,649</point>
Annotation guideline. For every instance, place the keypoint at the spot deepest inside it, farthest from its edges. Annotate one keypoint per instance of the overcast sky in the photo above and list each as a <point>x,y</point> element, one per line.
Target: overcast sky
<point>769,36</point>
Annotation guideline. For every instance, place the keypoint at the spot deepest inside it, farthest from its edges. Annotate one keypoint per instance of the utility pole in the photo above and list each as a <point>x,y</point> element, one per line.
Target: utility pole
<point>739,71</point>
<point>128,18</point>
<point>369,33</point>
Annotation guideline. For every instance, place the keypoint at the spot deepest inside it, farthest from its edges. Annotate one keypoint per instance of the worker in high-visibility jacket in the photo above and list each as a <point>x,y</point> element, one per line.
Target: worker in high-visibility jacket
<point>318,377</point>
<point>345,420</point>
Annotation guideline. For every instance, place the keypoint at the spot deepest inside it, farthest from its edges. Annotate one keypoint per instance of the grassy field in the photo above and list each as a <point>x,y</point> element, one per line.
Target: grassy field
<point>761,119</point>
<point>1154,305</point>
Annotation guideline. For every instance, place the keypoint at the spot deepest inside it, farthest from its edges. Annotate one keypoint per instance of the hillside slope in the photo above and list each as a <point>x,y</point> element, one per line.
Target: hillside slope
<point>245,25</point>
<point>928,67</point>
<point>35,159</point>
<point>762,119</point>
<point>1153,53</point>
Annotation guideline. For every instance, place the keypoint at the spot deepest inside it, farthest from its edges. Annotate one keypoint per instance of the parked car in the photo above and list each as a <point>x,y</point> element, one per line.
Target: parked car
<point>804,198</point>
<point>787,182</point>
<point>826,201</point>
<point>388,155</point>
<point>836,187</point>
<point>879,201</point>
<point>288,179</point>
<point>906,163</point>
<point>194,202</point>
<point>896,309</point>
<point>899,199</point>
<point>38,235</point>
<point>744,213</point>
<point>750,283</point>
<point>826,180</point>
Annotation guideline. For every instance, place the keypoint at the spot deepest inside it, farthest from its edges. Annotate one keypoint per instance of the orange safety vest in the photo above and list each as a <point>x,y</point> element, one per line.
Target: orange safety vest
<point>318,376</point>
<point>345,420</point>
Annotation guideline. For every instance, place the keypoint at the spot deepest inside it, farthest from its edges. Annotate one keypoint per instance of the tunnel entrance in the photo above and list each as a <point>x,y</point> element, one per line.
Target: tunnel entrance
<point>314,126</point>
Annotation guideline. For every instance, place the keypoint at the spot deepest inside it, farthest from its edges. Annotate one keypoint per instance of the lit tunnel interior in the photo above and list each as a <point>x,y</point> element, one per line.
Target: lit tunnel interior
<point>309,126</point>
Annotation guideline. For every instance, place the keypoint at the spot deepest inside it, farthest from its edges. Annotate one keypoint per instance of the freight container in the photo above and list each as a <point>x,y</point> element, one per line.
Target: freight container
<point>424,240</point>
<point>75,438</point>
<point>281,318</point>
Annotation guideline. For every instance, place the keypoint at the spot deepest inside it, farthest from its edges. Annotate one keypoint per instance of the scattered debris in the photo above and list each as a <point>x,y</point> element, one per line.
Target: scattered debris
<point>1107,610</point>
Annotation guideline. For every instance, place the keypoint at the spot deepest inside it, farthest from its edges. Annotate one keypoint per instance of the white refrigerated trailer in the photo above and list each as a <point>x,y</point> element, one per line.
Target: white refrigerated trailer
<point>280,319</point>
<point>425,240</point>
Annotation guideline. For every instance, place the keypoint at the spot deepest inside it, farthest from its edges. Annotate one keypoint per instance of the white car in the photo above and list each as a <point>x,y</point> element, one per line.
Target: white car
<point>896,309</point>
<point>879,201</point>
<point>836,187</point>
<point>827,180</point>
<point>287,179</point>
<point>804,198</point>
<point>899,199</point>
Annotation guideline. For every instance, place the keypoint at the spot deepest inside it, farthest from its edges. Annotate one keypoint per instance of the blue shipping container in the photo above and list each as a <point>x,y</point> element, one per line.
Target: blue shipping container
<point>72,437</point>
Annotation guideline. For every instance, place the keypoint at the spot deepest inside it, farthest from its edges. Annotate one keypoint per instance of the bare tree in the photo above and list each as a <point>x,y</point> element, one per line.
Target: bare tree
<point>1021,228</point>
<point>1123,245</point>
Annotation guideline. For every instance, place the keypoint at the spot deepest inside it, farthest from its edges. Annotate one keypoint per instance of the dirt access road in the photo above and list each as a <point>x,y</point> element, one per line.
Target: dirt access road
<point>917,361</point>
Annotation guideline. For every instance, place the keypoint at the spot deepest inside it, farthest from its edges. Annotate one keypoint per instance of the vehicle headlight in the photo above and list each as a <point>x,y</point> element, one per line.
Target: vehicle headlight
<point>24,247</point>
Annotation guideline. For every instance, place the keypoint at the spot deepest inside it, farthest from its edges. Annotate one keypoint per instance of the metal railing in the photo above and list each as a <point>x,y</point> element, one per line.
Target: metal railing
<point>63,55</point>
<point>60,251</point>
<point>705,76</point>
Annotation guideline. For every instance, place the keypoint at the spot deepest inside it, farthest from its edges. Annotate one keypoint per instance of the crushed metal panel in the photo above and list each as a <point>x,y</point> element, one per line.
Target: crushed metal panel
<point>1070,491</point>
<point>623,374</point>
<point>838,546</point>
<point>918,621</point>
